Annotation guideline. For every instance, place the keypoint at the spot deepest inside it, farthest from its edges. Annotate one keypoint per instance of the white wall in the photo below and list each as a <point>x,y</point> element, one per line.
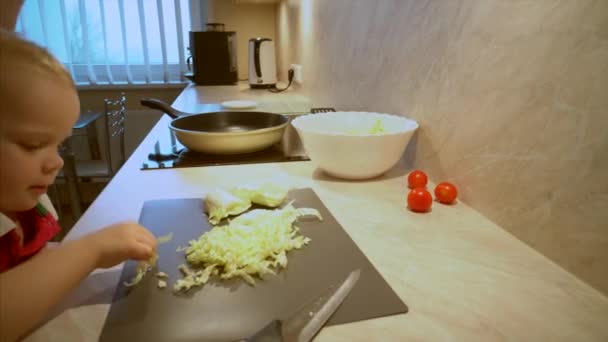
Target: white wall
<point>511,97</point>
<point>248,20</point>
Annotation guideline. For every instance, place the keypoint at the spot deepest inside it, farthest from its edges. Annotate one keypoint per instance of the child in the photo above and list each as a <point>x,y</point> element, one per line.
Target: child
<point>38,107</point>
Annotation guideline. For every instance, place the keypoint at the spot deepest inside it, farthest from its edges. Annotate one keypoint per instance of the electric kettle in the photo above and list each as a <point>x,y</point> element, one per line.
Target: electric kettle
<point>262,65</point>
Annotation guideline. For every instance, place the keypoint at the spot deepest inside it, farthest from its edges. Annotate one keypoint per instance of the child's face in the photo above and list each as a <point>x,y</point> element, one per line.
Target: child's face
<point>37,116</point>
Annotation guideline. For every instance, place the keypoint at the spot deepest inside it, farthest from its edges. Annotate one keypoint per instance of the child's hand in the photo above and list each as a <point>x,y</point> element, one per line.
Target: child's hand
<point>122,241</point>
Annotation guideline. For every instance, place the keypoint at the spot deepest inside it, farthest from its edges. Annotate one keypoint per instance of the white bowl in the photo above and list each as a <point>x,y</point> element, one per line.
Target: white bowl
<point>343,145</point>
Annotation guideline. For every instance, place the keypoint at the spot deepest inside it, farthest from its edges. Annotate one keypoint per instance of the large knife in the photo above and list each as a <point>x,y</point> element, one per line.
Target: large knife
<point>304,324</point>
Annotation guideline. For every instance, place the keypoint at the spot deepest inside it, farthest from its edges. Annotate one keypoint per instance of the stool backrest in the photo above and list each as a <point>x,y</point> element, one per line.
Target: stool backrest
<point>115,110</point>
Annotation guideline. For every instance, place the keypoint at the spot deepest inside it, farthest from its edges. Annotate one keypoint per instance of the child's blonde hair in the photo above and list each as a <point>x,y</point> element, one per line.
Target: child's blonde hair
<point>15,50</point>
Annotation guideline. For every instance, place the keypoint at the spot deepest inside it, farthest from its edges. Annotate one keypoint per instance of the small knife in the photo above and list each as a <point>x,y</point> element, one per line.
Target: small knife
<point>304,324</point>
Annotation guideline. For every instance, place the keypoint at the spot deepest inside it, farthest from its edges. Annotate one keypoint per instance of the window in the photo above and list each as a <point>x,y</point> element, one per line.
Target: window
<point>113,41</point>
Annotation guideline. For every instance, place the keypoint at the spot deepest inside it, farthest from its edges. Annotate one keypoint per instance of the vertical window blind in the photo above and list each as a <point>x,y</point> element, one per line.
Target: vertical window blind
<point>105,42</point>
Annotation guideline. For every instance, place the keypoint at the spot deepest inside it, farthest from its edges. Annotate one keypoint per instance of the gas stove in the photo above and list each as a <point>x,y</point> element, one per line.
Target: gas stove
<point>170,153</point>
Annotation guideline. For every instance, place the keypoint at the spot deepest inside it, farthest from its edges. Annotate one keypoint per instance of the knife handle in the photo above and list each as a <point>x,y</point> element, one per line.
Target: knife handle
<point>270,333</point>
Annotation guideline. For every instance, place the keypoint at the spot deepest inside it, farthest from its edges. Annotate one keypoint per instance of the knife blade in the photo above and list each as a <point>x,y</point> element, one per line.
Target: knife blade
<point>306,322</point>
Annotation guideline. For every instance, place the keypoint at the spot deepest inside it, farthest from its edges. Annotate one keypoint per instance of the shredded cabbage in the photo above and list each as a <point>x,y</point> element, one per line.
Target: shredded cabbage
<point>377,128</point>
<point>164,238</point>
<point>140,271</point>
<point>194,278</point>
<point>144,266</point>
<point>253,243</point>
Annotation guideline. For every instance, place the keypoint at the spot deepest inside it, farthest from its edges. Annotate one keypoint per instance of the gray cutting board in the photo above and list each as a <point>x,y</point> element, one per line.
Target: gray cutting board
<point>230,310</point>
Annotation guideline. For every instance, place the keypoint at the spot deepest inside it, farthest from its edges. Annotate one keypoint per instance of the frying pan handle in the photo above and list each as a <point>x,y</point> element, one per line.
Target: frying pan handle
<point>162,106</point>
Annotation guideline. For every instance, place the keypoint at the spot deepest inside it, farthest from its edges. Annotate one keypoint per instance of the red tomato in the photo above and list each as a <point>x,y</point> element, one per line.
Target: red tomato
<point>417,179</point>
<point>419,200</point>
<point>446,192</point>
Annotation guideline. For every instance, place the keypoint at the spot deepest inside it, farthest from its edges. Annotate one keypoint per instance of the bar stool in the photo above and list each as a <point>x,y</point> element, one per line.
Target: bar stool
<point>114,129</point>
<point>76,171</point>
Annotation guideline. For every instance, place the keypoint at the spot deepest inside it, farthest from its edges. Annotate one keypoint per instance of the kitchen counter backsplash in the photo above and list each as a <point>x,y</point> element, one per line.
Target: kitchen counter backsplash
<point>510,97</point>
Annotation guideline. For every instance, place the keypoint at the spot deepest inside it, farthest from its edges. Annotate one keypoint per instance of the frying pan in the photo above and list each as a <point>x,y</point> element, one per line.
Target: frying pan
<point>223,132</point>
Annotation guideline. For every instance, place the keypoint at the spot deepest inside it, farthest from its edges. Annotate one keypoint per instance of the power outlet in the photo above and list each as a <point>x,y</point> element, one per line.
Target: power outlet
<point>297,73</point>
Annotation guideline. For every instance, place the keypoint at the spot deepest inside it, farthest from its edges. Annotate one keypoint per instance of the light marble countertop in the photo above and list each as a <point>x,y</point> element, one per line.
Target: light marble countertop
<point>462,276</point>
<point>194,99</point>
